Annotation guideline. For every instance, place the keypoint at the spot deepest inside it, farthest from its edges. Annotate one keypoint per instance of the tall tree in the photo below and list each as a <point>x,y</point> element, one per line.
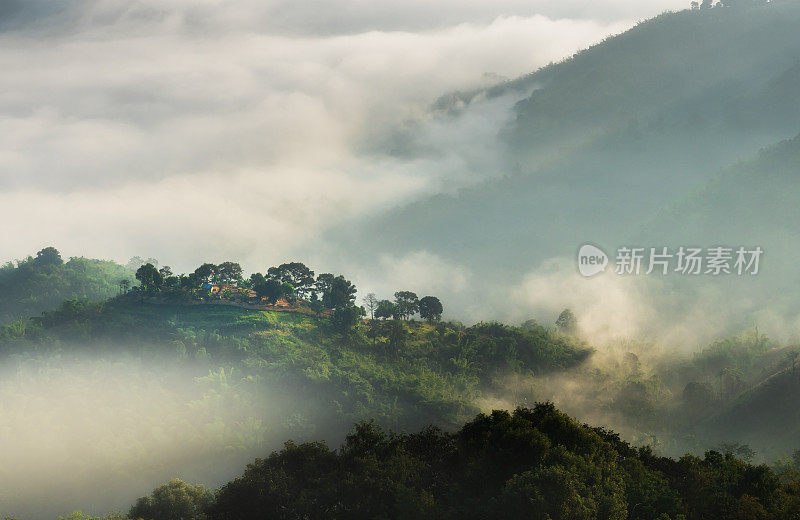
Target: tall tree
<point>384,310</point>
<point>229,272</point>
<point>296,274</point>
<point>430,308</point>
<point>255,280</point>
<point>48,256</point>
<point>342,293</point>
<point>271,289</point>
<point>323,285</point>
<point>371,303</point>
<point>407,303</point>
<point>205,273</point>
<point>345,319</point>
<point>150,278</point>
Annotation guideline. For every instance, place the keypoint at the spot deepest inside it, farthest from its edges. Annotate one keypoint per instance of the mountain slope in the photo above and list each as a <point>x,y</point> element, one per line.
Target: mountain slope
<point>613,134</point>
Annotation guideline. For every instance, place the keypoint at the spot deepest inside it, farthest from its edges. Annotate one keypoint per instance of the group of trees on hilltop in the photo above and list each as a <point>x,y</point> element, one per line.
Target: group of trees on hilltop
<point>154,280</point>
<point>294,279</point>
<point>405,305</point>
<point>291,280</point>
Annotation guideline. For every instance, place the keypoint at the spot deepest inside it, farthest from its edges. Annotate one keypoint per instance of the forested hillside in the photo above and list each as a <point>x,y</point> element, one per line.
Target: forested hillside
<point>36,284</point>
<point>621,130</point>
<point>205,387</point>
<point>206,384</point>
<point>532,463</point>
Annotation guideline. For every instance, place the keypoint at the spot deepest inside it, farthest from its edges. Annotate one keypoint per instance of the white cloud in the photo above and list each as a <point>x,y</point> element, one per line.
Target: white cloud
<point>422,271</point>
<point>191,130</point>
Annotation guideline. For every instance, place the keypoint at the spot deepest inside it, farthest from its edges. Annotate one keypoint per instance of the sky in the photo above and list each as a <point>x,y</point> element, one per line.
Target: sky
<point>210,130</point>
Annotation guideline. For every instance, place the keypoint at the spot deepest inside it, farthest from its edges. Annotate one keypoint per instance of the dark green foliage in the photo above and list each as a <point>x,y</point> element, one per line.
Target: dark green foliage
<point>150,278</point>
<point>296,274</point>
<point>175,500</point>
<point>345,319</point>
<point>229,272</point>
<point>205,273</point>
<point>430,308</point>
<point>498,345</point>
<point>48,256</point>
<point>532,463</point>
<point>341,293</point>
<point>271,289</point>
<point>34,285</point>
<point>406,304</point>
<point>335,291</point>
<point>385,310</point>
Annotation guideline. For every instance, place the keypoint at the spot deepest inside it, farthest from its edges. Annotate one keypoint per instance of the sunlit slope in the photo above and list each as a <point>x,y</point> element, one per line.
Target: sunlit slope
<point>124,394</point>
<point>613,134</point>
<point>404,373</point>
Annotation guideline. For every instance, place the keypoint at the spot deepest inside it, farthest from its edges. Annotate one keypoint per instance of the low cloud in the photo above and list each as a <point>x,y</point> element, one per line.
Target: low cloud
<point>189,131</point>
<point>424,271</point>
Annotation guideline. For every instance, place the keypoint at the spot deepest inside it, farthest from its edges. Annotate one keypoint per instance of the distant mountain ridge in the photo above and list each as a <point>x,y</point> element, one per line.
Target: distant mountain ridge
<point>611,135</point>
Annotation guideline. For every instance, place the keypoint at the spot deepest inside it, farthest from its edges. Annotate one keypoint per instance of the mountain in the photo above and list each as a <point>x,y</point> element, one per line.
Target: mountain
<point>608,137</point>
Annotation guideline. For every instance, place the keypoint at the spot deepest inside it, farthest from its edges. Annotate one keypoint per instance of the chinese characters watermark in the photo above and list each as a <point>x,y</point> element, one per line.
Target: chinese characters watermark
<point>689,261</point>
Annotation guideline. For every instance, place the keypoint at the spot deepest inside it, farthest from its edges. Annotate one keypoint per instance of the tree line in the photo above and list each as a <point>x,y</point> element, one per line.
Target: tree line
<point>293,281</point>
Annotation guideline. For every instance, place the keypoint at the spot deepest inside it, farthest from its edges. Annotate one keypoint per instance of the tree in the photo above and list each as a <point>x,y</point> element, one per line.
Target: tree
<point>295,273</point>
<point>256,279</point>
<point>430,308</point>
<point>175,500</point>
<point>165,271</point>
<point>316,303</point>
<point>270,289</point>
<point>205,272</point>
<point>229,272</point>
<point>566,322</point>
<point>385,310</point>
<point>345,319</point>
<point>150,278</point>
<point>287,290</point>
<point>336,291</point>
<point>188,282</point>
<point>323,284</point>
<point>406,303</point>
<point>124,285</point>
<point>48,256</point>
<point>342,293</point>
<point>371,303</point>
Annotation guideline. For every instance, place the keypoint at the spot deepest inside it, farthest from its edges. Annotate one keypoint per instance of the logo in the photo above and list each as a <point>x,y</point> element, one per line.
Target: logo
<point>591,260</point>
